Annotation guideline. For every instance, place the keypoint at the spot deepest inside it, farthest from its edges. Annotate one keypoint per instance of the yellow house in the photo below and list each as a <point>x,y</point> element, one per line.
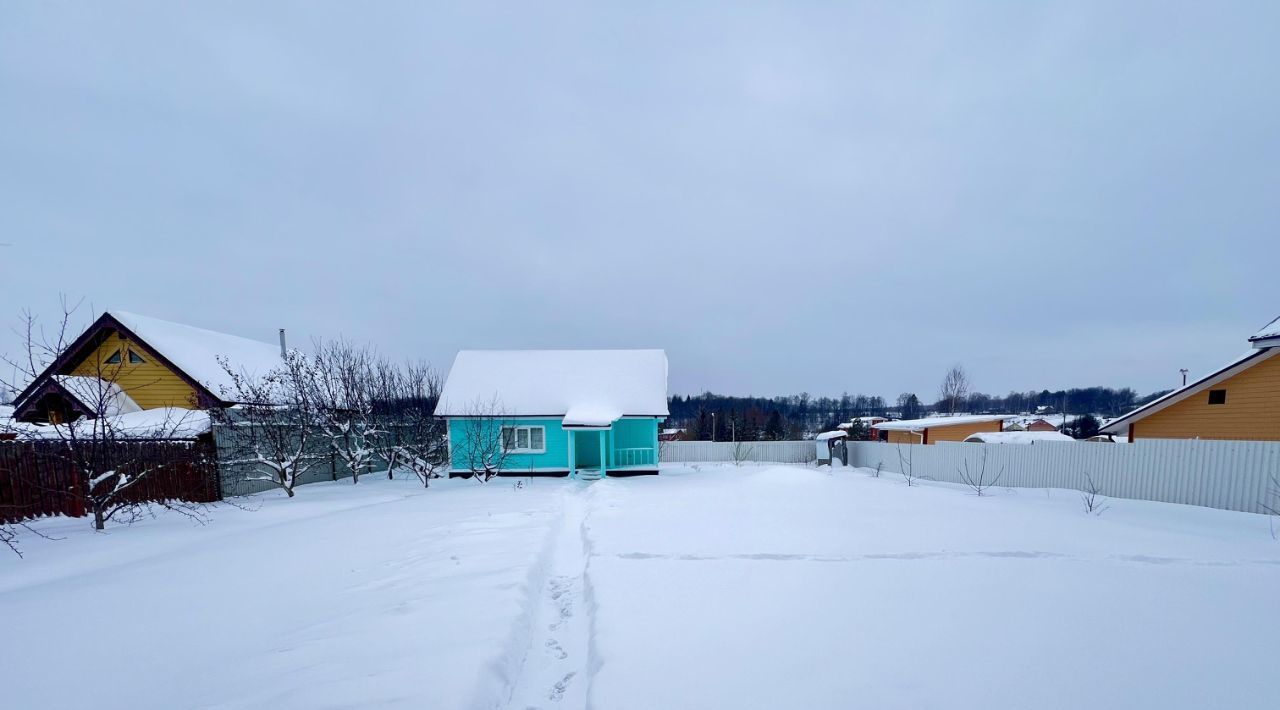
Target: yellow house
<point>934,429</point>
<point>126,363</point>
<point>1238,401</point>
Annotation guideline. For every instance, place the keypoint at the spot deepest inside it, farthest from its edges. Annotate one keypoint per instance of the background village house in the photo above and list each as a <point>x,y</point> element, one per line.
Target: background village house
<point>931,430</point>
<point>1240,400</point>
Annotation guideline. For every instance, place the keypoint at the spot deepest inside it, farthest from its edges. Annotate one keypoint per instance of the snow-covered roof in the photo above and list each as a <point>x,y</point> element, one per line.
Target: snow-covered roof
<point>94,393</point>
<point>929,422</point>
<point>158,423</point>
<point>195,351</point>
<point>1249,359</point>
<point>1268,332</point>
<point>1017,437</point>
<point>586,387</point>
<point>832,435</point>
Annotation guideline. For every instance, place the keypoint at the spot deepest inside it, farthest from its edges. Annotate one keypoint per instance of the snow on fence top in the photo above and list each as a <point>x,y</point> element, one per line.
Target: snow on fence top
<point>922,424</point>
<point>587,387</point>
<point>195,351</point>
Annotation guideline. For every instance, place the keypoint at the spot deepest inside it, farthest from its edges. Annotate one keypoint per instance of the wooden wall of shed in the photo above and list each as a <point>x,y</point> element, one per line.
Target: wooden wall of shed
<point>960,432</point>
<point>903,437</point>
<point>1252,410</point>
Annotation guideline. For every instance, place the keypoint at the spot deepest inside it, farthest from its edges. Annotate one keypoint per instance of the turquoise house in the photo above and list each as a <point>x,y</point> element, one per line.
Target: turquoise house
<point>580,413</point>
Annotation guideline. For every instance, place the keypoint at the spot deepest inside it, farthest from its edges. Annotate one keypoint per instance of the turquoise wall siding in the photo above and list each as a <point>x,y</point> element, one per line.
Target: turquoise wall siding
<point>626,434</point>
<point>635,433</point>
<point>557,455</point>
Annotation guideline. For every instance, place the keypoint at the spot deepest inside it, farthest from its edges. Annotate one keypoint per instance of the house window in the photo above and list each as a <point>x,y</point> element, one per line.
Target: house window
<point>524,439</point>
<point>114,359</point>
<point>1217,396</point>
<point>135,358</point>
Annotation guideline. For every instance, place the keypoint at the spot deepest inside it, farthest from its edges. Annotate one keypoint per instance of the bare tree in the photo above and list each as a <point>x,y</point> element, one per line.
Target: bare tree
<point>905,464</point>
<point>481,441</point>
<point>95,441</point>
<point>9,535</point>
<point>954,389</point>
<point>344,380</point>
<point>410,435</point>
<point>742,451</point>
<point>271,428</point>
<point>1091,496</point>
<point>980,480</point>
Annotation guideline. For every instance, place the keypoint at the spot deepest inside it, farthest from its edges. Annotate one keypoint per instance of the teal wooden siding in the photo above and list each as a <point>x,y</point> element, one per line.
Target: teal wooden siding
<point>635,433</point>
<point>626,434</point>
<point>557,445</point>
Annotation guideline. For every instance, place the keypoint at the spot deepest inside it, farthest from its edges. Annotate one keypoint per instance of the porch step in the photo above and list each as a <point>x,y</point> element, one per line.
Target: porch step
<point>588,474</point>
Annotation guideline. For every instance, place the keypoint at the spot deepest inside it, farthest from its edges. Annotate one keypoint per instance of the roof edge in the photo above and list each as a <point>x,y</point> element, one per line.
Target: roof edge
<point>1182,393</point>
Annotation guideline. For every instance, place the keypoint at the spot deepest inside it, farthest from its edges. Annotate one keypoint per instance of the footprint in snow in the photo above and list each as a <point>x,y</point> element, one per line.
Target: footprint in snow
<point>556,649</point>
<point>557,691</point>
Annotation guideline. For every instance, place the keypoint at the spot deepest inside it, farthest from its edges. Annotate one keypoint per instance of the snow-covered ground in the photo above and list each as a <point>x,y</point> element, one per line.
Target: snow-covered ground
<point>750,587</point>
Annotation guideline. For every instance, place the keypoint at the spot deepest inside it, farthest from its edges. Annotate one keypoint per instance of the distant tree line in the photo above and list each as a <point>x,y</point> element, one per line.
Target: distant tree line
<point>717,417</point>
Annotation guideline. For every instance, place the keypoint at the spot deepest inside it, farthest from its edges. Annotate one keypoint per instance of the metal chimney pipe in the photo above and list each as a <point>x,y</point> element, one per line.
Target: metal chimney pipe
<point>284,351</point>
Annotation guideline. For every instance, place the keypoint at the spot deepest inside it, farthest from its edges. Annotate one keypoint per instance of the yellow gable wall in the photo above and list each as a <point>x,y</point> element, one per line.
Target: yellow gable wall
<point>1252,410</point>
<point>150,384</point>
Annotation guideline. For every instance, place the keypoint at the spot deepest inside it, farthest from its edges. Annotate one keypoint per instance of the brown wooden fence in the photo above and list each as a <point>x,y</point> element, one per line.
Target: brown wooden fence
<point>37,479</point>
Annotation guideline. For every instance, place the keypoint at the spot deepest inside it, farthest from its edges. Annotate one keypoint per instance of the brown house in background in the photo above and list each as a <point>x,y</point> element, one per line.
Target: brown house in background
<point>1041,425</point>
<point>934,429</point>
<point>1238,401</point>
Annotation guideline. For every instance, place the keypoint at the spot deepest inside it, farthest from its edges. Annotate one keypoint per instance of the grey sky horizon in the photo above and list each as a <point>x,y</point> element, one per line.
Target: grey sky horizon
<point>786,197</point>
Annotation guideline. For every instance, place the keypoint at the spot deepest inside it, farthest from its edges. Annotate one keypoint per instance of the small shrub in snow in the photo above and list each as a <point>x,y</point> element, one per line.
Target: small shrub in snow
<point>741,452</point>
<point>908,472</point>
<point>1091,496</point>
<point>879,467</point>
<point>981,480</point>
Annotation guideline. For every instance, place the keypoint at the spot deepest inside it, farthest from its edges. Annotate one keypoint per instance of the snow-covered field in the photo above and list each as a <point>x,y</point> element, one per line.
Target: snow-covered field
<point>751,587</point>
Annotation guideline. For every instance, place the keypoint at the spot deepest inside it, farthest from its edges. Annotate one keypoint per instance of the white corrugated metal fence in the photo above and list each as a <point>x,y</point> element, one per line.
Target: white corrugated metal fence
<point>1232,475</point>
<point>712,451</point>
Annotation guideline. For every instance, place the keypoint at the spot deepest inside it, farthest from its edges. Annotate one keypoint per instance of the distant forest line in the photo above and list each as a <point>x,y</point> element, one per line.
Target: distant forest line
<point>722,417</point>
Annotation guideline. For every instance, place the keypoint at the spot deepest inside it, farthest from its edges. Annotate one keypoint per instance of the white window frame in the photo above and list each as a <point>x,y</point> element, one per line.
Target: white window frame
<point>515,437</point>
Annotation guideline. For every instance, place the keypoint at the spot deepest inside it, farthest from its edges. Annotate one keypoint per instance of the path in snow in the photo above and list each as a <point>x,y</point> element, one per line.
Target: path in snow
<point>555,669</point>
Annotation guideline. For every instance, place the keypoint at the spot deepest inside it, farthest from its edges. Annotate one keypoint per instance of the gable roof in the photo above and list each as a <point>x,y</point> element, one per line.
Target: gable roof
<point>586,387</point>
<point>195,351</point>
<point>1231,369</point>
<point>191,353</point>
<point>1270,332</point>
<point>933,422</point>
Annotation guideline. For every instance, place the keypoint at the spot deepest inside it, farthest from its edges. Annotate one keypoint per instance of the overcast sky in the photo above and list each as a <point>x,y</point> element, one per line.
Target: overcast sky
<point>793,197</point>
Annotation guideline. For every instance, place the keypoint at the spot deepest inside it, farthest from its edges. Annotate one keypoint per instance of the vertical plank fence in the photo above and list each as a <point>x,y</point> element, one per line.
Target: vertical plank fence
<point>37,480</point>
